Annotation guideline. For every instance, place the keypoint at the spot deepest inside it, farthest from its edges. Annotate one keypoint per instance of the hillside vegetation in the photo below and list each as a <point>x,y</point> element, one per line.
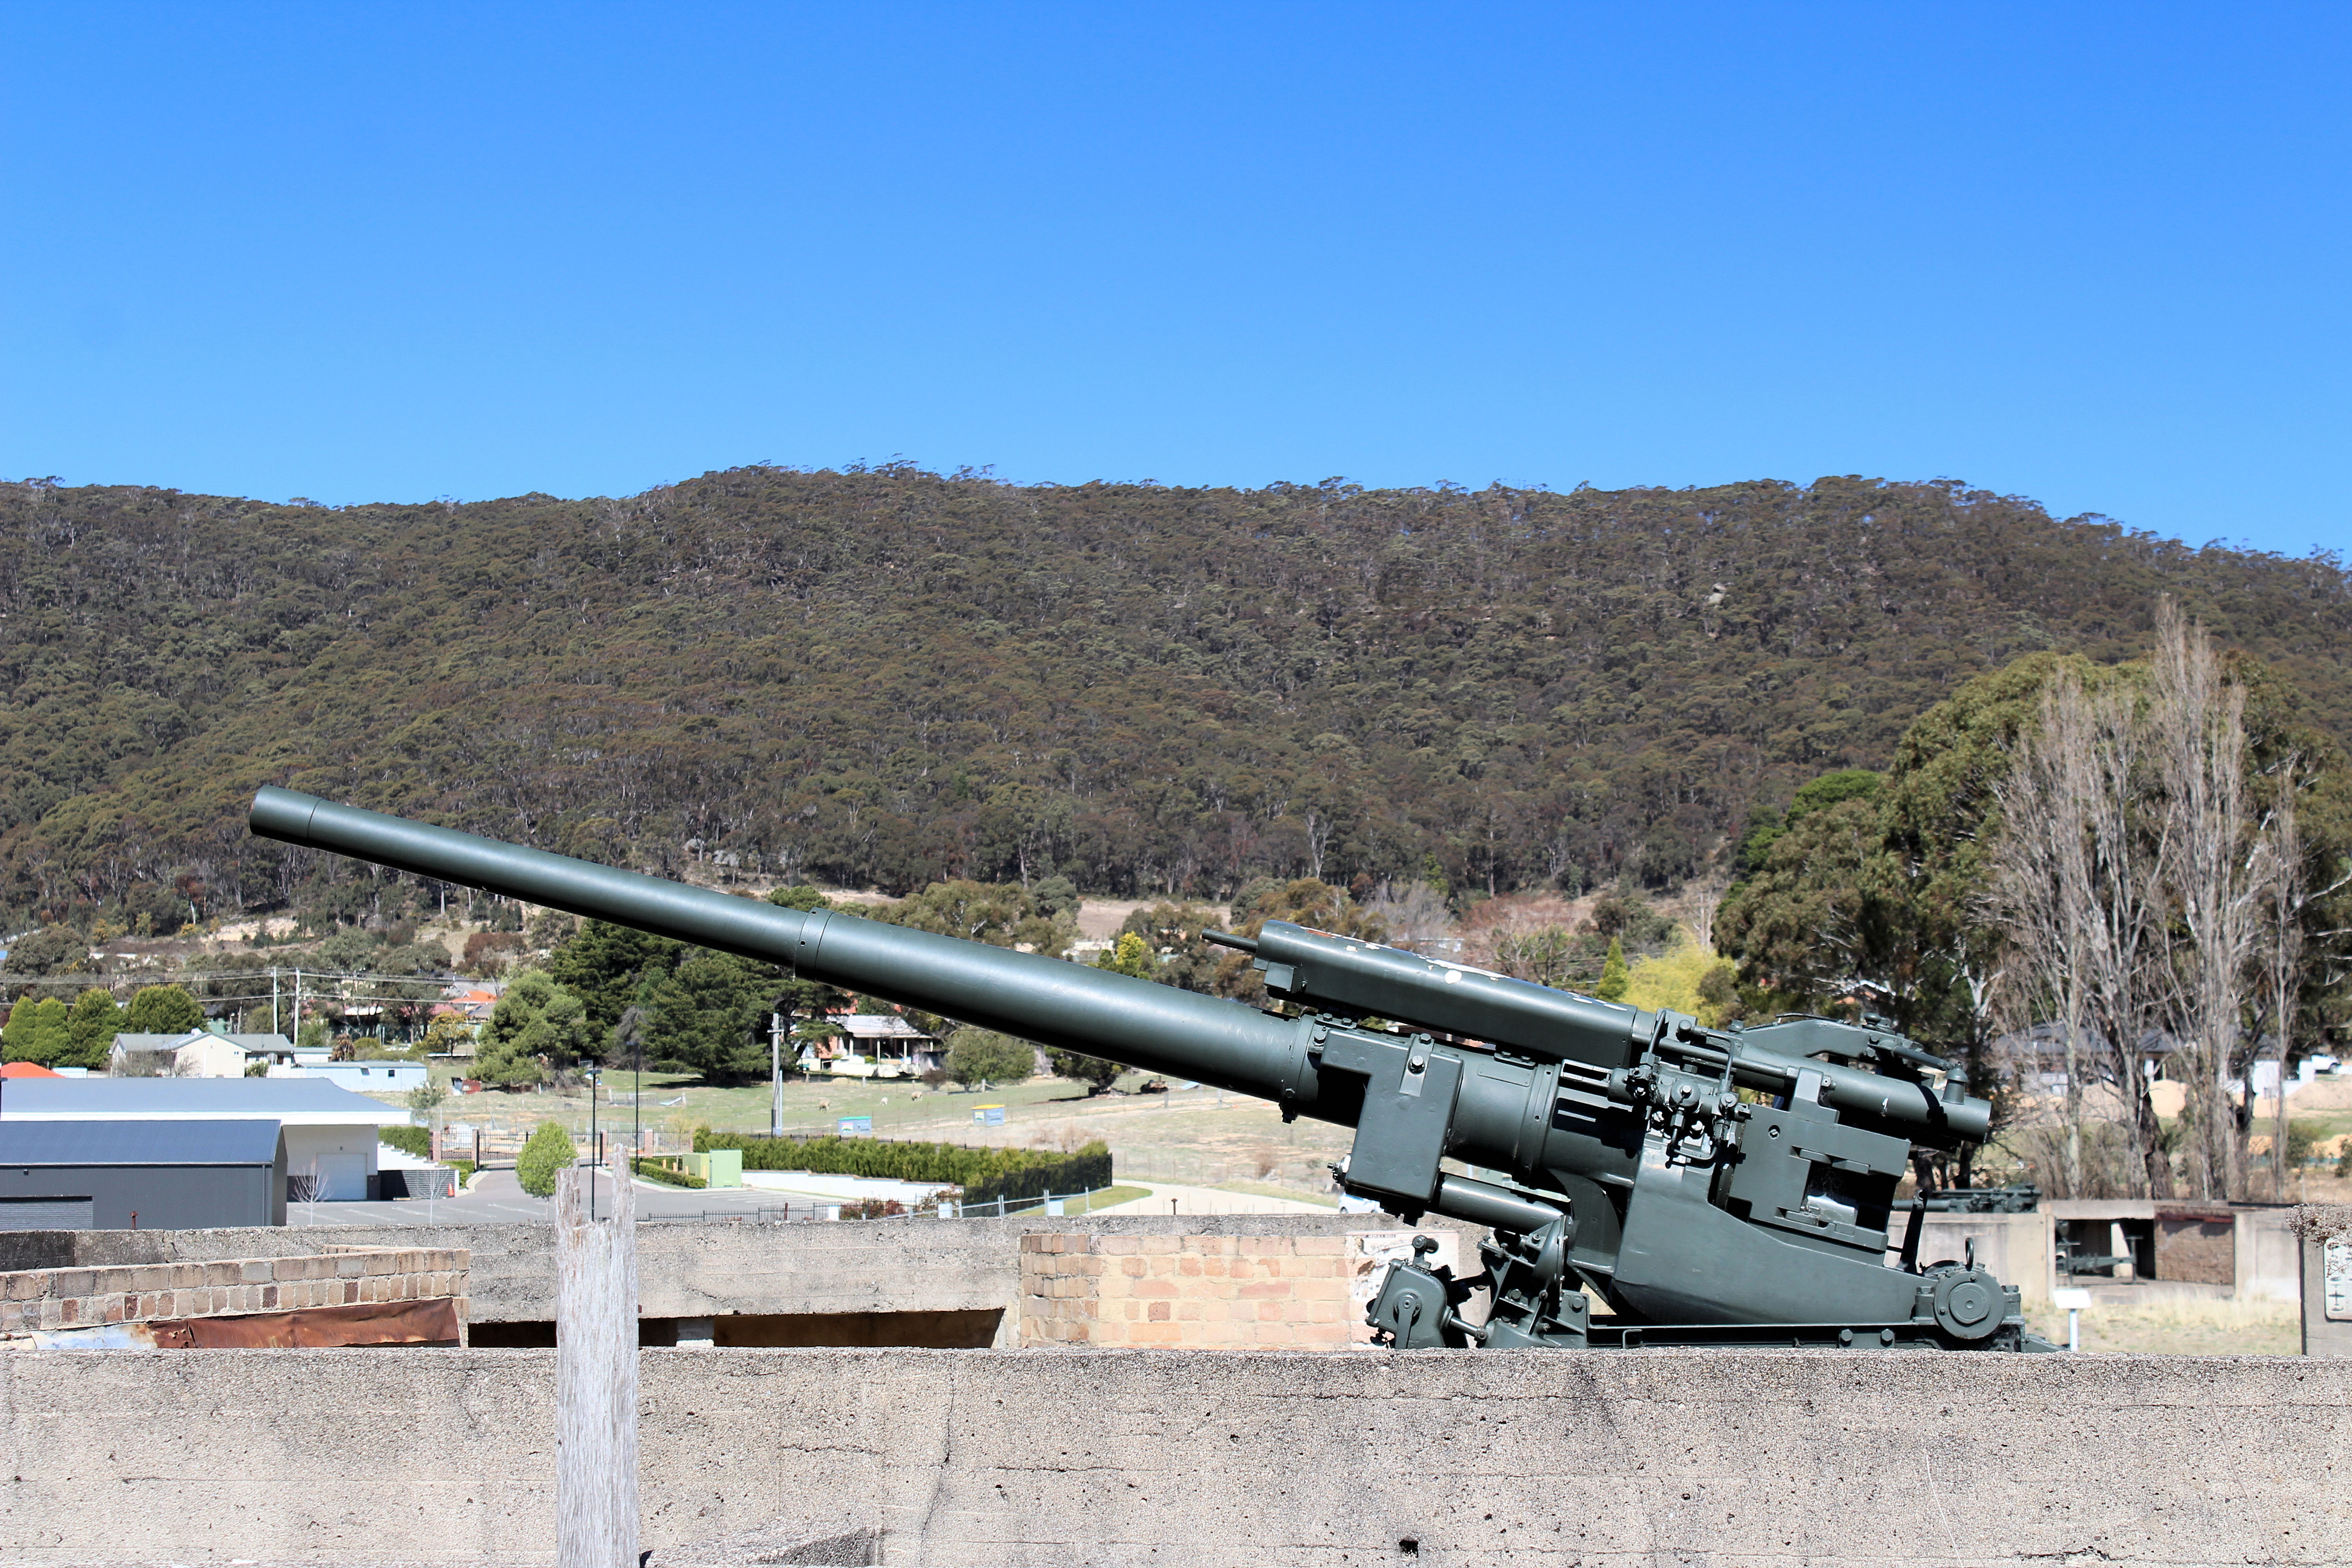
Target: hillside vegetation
<point>893,677</point>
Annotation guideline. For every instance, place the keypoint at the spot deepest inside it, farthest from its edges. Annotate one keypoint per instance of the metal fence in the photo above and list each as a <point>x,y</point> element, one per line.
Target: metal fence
<point>829,1211</point>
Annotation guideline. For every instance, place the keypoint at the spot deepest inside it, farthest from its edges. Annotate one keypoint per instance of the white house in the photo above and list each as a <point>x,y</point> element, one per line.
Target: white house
<point>331,1133</point>
<point>873,1045</point>
<point>199,1053</point>
<point>366,1078</point>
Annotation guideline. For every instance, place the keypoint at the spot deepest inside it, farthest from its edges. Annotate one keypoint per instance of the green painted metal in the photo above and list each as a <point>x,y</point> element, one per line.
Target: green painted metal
<point>1709,1185</point>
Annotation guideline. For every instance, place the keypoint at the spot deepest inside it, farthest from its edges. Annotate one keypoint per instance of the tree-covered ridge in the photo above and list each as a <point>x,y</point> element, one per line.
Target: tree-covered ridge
<point>898,677</point>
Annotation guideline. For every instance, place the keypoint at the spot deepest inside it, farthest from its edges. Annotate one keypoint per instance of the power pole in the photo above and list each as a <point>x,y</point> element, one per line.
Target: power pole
<point>775,1075</point>
<point>273,1001</point>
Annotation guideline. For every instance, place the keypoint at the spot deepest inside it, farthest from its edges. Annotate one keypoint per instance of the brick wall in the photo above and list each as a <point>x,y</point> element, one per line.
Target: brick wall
<point>52,1299</point>
<point>2197,1243</point>
<point>1222,1292</point>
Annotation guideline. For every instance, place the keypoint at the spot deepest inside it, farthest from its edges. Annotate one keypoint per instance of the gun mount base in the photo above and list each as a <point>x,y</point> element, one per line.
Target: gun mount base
<point>1910,1336</point>
<point>1417,1307</point>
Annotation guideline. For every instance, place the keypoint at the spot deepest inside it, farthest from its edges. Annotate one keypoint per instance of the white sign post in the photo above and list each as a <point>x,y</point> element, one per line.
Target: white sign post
<point>2074,1301</point>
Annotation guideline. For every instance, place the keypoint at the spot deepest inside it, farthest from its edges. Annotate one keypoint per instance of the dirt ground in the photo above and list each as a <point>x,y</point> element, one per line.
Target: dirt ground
<point>2181,1328</point>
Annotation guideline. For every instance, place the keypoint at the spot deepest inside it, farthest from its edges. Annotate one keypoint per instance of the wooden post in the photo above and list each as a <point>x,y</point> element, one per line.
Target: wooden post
<point>595,1376</point>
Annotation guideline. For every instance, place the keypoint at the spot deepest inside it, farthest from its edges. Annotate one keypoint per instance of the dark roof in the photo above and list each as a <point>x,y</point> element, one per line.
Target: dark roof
<point>28,1144</point>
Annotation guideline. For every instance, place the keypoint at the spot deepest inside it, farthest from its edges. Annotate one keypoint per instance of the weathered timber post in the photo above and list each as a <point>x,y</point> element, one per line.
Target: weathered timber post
<point>595,1375</point>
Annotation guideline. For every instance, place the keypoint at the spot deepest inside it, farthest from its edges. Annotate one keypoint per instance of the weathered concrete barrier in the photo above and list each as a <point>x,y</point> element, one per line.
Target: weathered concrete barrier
<point>53,1299</point>
<point>960,1460</point>
<point>911,1270</point>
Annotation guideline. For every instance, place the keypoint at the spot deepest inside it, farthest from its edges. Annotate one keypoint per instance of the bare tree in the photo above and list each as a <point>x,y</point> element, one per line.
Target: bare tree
<point>1704,895</point>
<point>2213,867</point>
<point>2283,898</point>
<point>1413,914</point>
<point>2075,886</point>
<point>2042,890</point>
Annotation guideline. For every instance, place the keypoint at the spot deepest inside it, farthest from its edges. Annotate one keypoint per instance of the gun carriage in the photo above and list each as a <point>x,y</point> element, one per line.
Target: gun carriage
<point>1710,1187</point>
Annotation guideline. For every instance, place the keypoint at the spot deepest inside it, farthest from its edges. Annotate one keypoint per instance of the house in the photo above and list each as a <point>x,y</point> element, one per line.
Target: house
<point>25,1069</point>
<point>473,1004</point>
<point>199,1053</point>
<point>470,1006</point>
<point>366,1078</point>
<point>136,1174</point>
<point>331,1133</point>
<point>873,1045</point>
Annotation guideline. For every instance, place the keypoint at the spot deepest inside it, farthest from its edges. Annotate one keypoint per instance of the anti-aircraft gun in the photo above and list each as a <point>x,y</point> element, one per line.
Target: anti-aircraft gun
<point>1710,1187</point>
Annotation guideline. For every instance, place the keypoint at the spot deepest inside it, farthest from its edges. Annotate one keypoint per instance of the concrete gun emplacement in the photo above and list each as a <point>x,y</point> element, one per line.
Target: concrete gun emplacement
<point>1614,1150</point>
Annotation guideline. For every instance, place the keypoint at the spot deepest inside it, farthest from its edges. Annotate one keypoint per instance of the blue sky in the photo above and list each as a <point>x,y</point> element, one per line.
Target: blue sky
<point>2092,255</point>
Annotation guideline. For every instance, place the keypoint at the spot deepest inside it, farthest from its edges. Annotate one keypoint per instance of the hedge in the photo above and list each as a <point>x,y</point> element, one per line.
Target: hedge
<point>653,1171</point>
<point>1015,1172</point>
<point>1082,1172</point>
<point>415,1142</point>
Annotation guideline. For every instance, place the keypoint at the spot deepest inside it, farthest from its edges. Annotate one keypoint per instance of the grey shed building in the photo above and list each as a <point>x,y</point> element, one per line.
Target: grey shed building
<point>170,1176</point>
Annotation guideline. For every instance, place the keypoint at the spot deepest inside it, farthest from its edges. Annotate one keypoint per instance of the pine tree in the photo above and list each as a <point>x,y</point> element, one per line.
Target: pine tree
<point>1614,976</point>
<point>162,1010</point>
<point>95,1021</point>
<point>38,1032</point>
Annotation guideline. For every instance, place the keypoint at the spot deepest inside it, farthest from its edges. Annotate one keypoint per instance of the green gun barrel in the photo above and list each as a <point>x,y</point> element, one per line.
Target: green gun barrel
<point>1066,1005</point>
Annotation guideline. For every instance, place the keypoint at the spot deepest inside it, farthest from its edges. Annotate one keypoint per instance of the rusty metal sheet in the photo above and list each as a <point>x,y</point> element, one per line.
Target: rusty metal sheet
<point>316,1327</point>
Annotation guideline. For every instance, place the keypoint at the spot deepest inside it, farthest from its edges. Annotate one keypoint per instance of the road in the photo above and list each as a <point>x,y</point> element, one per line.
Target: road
<point>496,1197</point>
<point>1171,1198</point>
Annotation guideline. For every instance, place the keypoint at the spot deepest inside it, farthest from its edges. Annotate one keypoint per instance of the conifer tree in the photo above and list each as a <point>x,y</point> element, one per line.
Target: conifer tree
<point>1614,975</point>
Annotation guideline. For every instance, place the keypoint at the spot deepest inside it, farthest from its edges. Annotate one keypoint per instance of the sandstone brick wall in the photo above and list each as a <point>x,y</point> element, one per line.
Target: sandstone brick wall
<point>1204,1291</point>
<point>1221,1291</point>
<point>51,1299</point>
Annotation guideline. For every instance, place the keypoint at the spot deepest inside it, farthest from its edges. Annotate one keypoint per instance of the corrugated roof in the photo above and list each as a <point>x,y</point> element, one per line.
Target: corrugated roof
<point>172,1042</point>
<point>293,1101</point>
<point>27,1144</point>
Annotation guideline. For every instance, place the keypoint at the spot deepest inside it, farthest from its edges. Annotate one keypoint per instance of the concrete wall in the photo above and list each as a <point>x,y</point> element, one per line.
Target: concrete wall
<point>52,1299</point>
<point>964,1459</point>
<point>714,1270</point>
<point>2326,1324</point>
<point>2017,1247</point>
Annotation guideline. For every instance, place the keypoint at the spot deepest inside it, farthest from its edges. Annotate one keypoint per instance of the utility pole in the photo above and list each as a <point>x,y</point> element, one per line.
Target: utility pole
<point>775,1075</point>
<point>273,1001</point>
<point>297,1036</point>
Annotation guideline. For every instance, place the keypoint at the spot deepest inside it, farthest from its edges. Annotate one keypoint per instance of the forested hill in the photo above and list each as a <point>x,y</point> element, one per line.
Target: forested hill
<point>892,677</point>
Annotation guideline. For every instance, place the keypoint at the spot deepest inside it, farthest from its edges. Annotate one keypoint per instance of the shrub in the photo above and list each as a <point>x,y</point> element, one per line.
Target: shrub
<point>414,1142</point>
<point>982,1055</point>
<point>1092,1071</point>
<point>981,1173</point>
<point>549,1151</point>
<point>1082,1172</point>
<point>653,1171</point>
